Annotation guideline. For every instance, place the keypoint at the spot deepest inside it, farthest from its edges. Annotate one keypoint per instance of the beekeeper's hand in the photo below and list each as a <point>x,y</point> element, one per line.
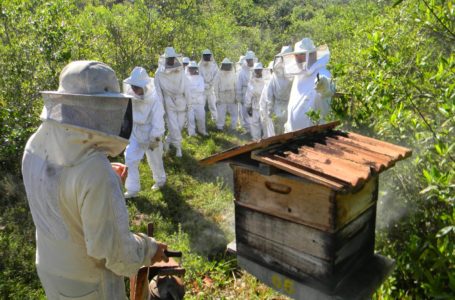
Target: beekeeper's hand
<point>323,86</point>
<point>155,143</point>
<point>159,255</point>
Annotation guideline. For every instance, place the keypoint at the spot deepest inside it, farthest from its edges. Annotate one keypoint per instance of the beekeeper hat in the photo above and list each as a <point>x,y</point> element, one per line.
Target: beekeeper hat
<point>271,64</point>
<point>250,55</point>
<point>139,77</point>
<point>169,52</point>
<point>306,45</point>
<point>285,49</point>
<point>258,66</point>
<point>186,60</point>
<point>206,51</point>
<point>226,61</point>
<point>89,98</point>
<point>193,64</point>
<point>91,78</point>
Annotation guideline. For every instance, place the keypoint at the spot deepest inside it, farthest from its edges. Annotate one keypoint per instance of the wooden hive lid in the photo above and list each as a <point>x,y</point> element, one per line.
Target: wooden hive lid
<point>333,158</point>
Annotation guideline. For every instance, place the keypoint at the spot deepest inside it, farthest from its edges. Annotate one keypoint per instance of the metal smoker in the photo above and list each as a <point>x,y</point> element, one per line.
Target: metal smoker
<point>160,281</point>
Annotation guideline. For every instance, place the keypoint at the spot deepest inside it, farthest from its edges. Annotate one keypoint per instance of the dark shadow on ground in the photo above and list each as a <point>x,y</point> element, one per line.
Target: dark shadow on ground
<point>206,237</point>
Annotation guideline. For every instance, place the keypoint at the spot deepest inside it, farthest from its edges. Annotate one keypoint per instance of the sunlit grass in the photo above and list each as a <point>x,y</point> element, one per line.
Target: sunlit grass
<point>194,213</point>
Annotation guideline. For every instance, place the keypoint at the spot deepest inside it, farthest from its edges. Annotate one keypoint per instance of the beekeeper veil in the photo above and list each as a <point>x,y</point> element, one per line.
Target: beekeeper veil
<point>305,57</point>
<point>89,100</point>
<point>139,78</point>
<point>278,62</point>
<point>170,62</point>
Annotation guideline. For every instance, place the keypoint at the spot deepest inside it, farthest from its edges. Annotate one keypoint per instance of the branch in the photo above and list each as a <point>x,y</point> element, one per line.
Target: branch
<point>439,20</point>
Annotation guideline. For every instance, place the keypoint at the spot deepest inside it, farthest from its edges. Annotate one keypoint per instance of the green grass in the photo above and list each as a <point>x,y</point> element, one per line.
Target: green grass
<point>194,213</point>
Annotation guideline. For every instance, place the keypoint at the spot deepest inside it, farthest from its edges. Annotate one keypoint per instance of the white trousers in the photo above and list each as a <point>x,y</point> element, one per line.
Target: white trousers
<point>255,125</point>
<point>210,99</point>
<point>196,118</point>
<point>245,119</point>
<point>175,122</point>
<point>133,155</point>
<point>232,109</point>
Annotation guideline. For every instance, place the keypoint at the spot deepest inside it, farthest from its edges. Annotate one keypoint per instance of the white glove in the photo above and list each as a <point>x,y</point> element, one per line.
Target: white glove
<point>323,86</point>
<point>154,143</point>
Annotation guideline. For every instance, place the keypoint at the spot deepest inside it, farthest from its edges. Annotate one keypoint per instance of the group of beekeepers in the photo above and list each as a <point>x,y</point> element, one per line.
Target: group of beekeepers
<point>84,245</point>
<point>265,101</point>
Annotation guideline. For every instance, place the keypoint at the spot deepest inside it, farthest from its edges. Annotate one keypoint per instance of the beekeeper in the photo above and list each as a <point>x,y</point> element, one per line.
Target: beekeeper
<point>185,62</point>
<point>84,246</point>
<point>208,70</point>
<point>148,128</point>
<point>252,98</point>
<point>194,94</point>
<point>170,87</point>
<point>276,96</point>
<point>243,77</point>
<point>225,95</point>
<point>312,88</point>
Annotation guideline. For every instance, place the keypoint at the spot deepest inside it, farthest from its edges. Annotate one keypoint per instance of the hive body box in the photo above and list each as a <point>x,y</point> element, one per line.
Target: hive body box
<point>301,228</point>
<point>305,209</point>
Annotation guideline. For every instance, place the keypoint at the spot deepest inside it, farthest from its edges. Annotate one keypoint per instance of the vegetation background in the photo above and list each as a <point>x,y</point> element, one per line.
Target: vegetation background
<point>394,60</point>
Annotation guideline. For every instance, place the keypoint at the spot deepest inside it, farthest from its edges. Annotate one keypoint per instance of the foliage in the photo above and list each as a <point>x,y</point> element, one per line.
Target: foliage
<point>392,60</point>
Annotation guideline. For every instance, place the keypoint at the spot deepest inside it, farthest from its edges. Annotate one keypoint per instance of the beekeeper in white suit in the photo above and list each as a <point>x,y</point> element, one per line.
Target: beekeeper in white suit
<point>208,70</point>
<point>225,95</point>
<point>312,88</point>
<point>252,100</point>
<point>148,128</point>
<point>84,246</point>
<point>170,87</point>
<point>185,62</point>
<point>194,93</point>
<point>276,96</point>
<point>243,78</point>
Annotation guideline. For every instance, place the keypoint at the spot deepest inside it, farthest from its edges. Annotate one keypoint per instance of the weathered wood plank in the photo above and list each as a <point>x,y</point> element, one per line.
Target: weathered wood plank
<point>285,165</point>
<point>332,165</point>
<point>402,152</point>
<point>380,158</point>
<point>301,265</point>
<point>353,157</point>
<point>395,155</point>
<point>349,206</point>
<point>267,142</point>
<point>306,202</point>
<point>332,247</point>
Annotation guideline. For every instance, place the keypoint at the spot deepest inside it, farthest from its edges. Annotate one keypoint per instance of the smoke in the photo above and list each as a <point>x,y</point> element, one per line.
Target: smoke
<point>389,210</point>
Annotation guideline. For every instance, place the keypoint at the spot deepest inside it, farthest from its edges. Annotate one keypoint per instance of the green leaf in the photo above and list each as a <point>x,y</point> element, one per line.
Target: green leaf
<point>445,231</point>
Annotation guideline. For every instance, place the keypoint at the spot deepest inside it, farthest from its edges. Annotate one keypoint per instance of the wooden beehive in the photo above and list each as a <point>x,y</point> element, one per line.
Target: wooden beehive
<point>305,201</point>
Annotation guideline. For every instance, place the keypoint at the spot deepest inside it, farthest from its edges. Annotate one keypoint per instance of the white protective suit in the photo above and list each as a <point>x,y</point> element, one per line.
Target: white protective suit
<point>307,93</point>
<point>84,246</point>
<point>148,128</point>
<point>225,95</point>
<point>275,99</point>
<point>170,87</point>
<point>243,77</point>
<point>194,94</point>
<point>252,100</point>
<point>208,70</point>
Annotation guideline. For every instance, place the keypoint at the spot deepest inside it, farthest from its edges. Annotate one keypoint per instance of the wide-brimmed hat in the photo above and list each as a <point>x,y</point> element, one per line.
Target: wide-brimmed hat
<point>206,52</point>
<point>258,66</point>
<point>139,77</point>
<point>226,61</point>
<point>87,78</point>
<point>170,52</point>
<point>193,64</point>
